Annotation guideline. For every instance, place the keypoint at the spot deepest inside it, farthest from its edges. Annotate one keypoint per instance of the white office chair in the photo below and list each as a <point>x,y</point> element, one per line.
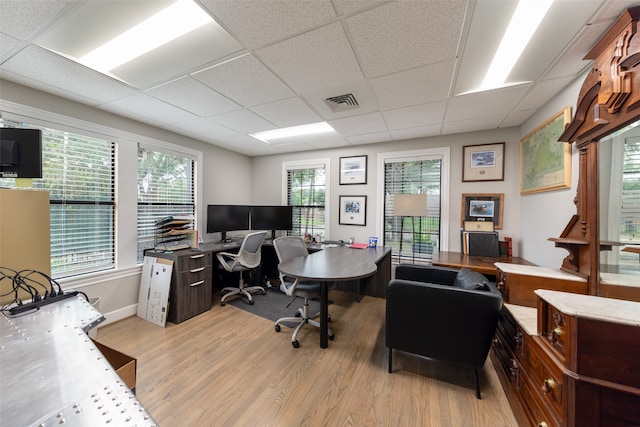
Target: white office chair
<point>248,258</point>
<point>286,248</point>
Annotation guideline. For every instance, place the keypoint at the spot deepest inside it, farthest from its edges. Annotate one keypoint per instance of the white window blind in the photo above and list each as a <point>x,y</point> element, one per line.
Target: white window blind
<point>306,192</point>
<point>165,187</point>
<point>421,235</point>
<point>630,215</point>
<point>78,172</point>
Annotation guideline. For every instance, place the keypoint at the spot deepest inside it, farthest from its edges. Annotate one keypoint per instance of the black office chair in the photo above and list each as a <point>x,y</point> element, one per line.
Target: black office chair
<point>286,248</point>
<point>248,258</point>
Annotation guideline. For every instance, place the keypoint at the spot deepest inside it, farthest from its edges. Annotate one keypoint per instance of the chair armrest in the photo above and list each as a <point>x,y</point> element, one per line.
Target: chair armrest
<point>225,257</point>
<point>426,273</point>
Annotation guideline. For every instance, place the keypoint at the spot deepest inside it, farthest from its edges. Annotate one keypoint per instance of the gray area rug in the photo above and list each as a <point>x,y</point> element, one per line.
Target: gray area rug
<point>273,305</point>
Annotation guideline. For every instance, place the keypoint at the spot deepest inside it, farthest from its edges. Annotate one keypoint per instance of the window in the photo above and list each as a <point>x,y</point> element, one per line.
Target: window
<point>419,174</point>
<point>307,192</point>
<point>78,172</point>
<point>165,187</point>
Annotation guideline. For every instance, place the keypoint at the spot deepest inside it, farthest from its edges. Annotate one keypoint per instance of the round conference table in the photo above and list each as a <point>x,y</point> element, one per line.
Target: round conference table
<point>332,264</point>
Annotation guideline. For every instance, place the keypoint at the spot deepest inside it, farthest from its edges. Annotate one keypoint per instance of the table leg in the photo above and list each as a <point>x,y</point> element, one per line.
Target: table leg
<point>324,312</point>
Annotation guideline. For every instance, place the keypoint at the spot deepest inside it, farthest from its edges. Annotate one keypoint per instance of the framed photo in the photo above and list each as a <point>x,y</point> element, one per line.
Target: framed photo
<point>483,162</point>
<point>353,170</point>
<point>483,207</point>
<point>545,163</point>
<point>353,210</point>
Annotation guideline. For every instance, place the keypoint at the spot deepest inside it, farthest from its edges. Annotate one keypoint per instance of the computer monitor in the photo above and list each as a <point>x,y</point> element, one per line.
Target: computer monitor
<point>20,153</point>
<point>272,218</point>
<point>223,218</point>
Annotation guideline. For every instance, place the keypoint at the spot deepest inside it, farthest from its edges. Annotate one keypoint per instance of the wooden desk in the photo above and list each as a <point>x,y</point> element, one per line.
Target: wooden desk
<point>333,265</point>
<point>484,265</point>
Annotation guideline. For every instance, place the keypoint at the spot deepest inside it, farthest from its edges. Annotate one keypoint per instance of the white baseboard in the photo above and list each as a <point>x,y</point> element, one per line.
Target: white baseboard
<point>120,314</point>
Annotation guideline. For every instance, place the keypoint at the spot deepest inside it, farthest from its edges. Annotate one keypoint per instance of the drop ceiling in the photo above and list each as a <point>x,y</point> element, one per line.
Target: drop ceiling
<point>407,68</point>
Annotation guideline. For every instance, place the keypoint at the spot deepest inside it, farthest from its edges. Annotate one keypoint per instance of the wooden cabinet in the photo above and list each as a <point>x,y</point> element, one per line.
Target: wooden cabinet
<point>191,283</point>
<point>518,282</point>
<point>573,361</point>
<point>24,235</point>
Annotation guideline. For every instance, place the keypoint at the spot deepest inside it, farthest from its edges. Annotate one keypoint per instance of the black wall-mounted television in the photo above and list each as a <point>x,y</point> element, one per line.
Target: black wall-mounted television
<point>223,218</point>
<point>20,153</point>
<point>272,218</point>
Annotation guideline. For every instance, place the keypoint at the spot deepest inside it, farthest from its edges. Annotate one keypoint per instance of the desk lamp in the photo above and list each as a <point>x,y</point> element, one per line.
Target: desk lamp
<point>412,205</point>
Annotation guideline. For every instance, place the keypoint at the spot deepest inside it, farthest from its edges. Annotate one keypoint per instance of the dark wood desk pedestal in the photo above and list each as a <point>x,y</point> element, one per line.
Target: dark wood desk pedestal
<point>481,264</point>
<point>333,265</point>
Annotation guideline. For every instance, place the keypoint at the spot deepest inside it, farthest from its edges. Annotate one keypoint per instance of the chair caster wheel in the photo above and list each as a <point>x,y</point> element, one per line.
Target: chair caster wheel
<point>251,302</point>
<point>298,314</point>
<point>295,344</point>
<point>331,337</point>
<point>264,292</point>
<point>222,304</point>
<point>277,328</point>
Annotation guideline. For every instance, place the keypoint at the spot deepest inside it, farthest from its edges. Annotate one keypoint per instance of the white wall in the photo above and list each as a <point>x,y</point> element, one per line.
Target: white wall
<point>267,179</point>
<point>545,215</point>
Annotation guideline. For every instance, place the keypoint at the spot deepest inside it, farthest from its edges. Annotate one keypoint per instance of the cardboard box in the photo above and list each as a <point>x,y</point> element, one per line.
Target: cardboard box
<point>125,366</point>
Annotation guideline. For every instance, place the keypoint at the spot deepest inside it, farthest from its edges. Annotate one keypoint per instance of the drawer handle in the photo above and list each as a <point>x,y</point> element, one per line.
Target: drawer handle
<point>196,256</point>
<point>196,283</point>
<point>548,385</point>
<point>542,424</point>
<point>555,334</point>
<point>196,270</point>
<point>500,285</point>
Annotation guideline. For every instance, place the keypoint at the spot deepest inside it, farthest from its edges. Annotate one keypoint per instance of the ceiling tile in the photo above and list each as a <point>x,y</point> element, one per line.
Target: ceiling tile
<point>149,110</point>
<point>463,107</point>
<point>244,121</point>
<point>193,96</point>
<point>413,87</point>
<point>91,85</point>
<point>415,116</point>
<point>22,19</point>
<point>244,80</point>
<point>417,132</point>
<point>287,112</point>
<point>247,145</point>
<point>259,23</point>
<point>406,34</point>
<point>541,93</point>
<point>472,125</point>
<point>8,46</point>
<point>371,138</point>
<point>315,60</point>
<point>204,129</point>
<point>358,125</point>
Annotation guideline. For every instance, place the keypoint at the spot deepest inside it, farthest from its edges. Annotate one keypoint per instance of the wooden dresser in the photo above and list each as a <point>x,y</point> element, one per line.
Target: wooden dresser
<point>518,282</point>
<point>572,361</point>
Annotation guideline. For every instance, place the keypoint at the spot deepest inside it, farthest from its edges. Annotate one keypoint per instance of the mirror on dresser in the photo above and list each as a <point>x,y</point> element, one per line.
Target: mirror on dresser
<point>603,237</point>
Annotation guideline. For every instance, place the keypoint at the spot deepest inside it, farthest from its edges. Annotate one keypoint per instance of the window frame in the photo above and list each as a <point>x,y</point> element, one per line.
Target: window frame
<point>309,164</point>
<point>443,153</point>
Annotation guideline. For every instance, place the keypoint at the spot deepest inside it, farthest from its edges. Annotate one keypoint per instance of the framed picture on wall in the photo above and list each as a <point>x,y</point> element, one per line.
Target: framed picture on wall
<point>353,210</point>
<point>545,162</point>
<point>483,207</point>
<point>483,162</point>
<point>353,170</point>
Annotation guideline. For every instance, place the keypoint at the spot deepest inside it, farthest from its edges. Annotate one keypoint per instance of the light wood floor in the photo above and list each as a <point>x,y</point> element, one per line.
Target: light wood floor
<point>227,367</point>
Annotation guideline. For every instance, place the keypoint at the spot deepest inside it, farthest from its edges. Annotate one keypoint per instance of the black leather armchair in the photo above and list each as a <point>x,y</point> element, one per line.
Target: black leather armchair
<point>442,313</point>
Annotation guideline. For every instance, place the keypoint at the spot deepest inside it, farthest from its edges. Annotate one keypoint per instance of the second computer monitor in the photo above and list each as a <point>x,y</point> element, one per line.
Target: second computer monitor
<point>272,218</point>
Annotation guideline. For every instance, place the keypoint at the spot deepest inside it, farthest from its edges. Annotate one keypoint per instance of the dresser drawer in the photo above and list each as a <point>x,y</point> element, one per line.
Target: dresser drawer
<point>546,377</point>
<point>539,413</point>
<point>556,330</point>
<point>194,261</point>
<point>512,333</point>
<point>518,288</point>
<point>507,361</point>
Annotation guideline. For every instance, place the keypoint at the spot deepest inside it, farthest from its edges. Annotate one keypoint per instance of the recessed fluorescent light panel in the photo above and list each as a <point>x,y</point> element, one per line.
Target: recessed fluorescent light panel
<point>280,135</point>
<point>526,19</point>
<point>141,43</point>
<point>180,18</point>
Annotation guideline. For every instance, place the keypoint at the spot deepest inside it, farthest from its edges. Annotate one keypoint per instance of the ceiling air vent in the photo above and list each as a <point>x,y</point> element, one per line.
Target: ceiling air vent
<point>342,102</point>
